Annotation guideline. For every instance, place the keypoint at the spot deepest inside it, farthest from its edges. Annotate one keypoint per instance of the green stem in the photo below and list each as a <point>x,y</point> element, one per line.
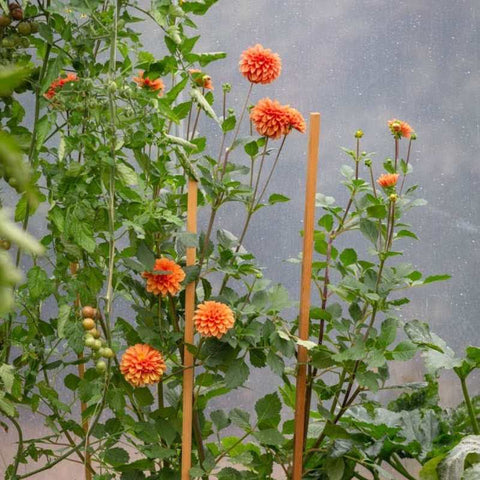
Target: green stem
<point>111,187</point>
<point>470,409</point>
<point>396,463</point>
<point>19,448</point>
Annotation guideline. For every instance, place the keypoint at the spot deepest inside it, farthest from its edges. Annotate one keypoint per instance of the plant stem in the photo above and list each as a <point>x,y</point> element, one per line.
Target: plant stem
<point>468,403</point>
<point>407,162</point>
<point>111,196</point>
<point>396,463</point>
<point>218,201</point>
<point>20,446</point>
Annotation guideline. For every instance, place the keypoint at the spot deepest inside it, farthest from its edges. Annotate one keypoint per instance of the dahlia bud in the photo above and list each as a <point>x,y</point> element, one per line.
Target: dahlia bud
<point>226,87</point>
<point>359,134</point>
<point>413,136</point>
<point>368,162</point>
<point>393,197</point>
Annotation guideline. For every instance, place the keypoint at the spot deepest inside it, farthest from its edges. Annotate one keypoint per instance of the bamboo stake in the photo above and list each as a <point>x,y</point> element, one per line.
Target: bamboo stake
<point>188,373</point>
<point>304,318</point>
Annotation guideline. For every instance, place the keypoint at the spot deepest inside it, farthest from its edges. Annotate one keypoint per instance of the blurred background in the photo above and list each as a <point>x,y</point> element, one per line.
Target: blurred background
<point>361,63</point>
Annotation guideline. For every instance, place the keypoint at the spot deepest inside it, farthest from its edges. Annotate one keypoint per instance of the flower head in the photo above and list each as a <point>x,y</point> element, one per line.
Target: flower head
<point>272,120</point>
<point>142,365</point>
<point>201,79</point>
<point>388,180</point>
<point>296,120</point>
<point>400,129</point>
<point>167,280</point>
<point>260,65</point>
<point>147,83</point>
<point>58,84</point>
<point>213,319</point>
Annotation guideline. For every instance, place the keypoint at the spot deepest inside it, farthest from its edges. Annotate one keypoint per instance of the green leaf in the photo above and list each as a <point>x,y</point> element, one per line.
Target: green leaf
<point>429,469</point>
<point>436,278</point>
<point>202,101</point>
<point>369,229</point>
<point>377,211</point>
<point>116,456</point>
<point>404,351</point>
<point>127,174</point>
<point>240,418</point>
<point>268,411</point>
<point>63,317</point>
<point>229,123</point>
<point>145,256</point>
<point>419,333</point>
<point>334,468</point>
<point>388,332</point>
<point>39,285</point>
<point>7,375</point>
<point>143,396</point>
<point>220,419</point>
<point>277,198</point>
<point>236,374</point>
<point>11,77</point>
<point>453,466</point>
<point>270,436</point>
<point>71,381</point>
<point>180,141</point>
<point>348,256</point>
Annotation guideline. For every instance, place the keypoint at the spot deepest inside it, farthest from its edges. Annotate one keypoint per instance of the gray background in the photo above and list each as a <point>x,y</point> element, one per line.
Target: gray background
<point>361,63</point>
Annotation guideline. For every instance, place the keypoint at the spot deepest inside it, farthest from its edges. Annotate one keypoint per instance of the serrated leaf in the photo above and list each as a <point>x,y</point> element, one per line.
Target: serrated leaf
<point>268,411</point>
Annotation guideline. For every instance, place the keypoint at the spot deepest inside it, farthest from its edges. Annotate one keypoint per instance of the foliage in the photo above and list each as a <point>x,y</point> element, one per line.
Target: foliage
<point>108,163</point>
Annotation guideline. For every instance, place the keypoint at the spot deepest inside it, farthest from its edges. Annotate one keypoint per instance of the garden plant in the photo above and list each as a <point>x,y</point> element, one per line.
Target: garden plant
<point>98,141</point>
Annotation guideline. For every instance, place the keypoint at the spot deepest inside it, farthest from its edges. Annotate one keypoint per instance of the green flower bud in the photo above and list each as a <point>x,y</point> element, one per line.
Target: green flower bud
<point>226,87</point>
<point>359,134</point>
<point>368,162</point>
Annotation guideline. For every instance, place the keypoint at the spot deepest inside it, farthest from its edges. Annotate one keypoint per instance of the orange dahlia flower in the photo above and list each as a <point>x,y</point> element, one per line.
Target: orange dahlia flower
<point>142,365</point>
<point>388,180</point>
<point>201,79</point>
<point>270,118</point>
<point>400,129</point>
<point>213,319</point>
<point>58,84</point>
<point>260,65</point>
<point>153,85</point>
<point>168,282</point>
<point>296,120</point>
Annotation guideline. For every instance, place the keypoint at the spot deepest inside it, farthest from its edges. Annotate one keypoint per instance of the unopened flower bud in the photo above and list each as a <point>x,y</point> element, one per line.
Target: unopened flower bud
<point>393,197</point>
<point>413,136</point>
<point>368,162</point>
<point>359,134</point>
<point>226,87</point>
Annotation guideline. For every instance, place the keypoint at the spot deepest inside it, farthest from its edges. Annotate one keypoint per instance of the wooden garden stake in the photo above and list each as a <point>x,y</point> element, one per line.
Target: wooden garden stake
<point>304,318</point>
<point>188,373</point>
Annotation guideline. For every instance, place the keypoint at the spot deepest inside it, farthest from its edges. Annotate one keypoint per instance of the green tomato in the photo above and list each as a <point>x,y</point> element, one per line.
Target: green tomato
<point>89,341</point>
<point>97,344</point>
<point>101,366</point>
<point>107,352</point>
<point>24,28</point>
